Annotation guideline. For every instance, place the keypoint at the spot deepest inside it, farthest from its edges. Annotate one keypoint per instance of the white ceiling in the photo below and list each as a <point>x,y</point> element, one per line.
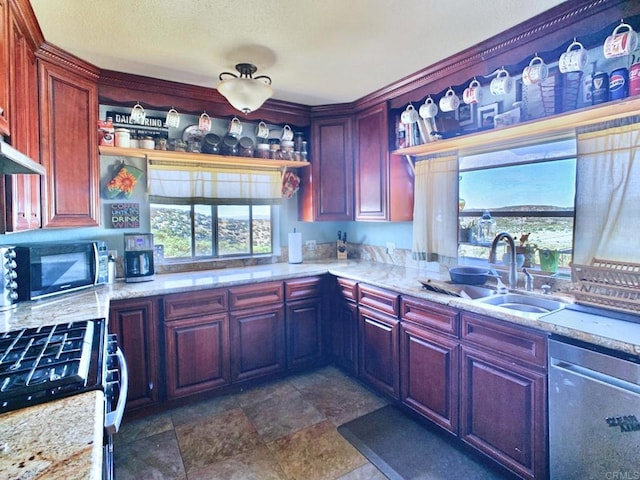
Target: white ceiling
<point>316,51</point>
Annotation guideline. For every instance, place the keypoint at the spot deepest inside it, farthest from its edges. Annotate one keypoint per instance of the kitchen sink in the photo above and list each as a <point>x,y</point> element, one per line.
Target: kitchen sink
<point>475,292</point>
<point>523,303</point>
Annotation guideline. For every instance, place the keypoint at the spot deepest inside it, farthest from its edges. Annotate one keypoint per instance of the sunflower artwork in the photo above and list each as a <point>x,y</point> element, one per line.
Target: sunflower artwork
<point>123,183</point>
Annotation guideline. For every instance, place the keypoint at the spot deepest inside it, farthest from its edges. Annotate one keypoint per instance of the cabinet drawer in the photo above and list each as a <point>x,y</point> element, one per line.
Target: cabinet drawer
<point>378,299</point>
<point>300,288</point>
<point>190,304</point>
<point>348,288</point>
<point>438,317</point>
<point>255,295</point>
<point>516,341</point>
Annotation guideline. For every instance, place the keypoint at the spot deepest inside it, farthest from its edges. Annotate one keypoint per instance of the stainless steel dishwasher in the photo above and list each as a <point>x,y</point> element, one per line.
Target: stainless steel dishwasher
<point>594,413</point>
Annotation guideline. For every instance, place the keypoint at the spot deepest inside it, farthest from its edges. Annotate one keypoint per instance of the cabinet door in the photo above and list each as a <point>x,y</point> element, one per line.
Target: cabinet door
<point>344,336</point>
<point>379,362</point>
<point>383,183</point>
<point>134,322</point>
<point>304,333</point>
<point>371,164</point>
<point>503,411</point>
<point>257,342</point>
<point>326,189</point>
<point>23,208</point>
<point>4,68</point>
<point>429,366</point>
<point>69,150</point>
<point>197,354</point>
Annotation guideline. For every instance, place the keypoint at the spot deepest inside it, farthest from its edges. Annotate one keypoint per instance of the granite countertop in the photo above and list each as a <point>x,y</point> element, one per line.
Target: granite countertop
<point>61,439</point>
<point>32,444</point>
<point>94,302</point>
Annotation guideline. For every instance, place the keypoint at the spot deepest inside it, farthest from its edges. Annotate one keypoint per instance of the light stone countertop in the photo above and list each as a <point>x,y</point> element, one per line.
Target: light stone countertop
<point>31,434</point>
<point>94,302</point>
<point>58,440</point>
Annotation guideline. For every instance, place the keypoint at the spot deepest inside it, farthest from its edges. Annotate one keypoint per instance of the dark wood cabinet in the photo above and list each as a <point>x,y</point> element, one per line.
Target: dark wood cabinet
<point>344,325</point>
<point>503,393</point>
<point>196,335</point>
<point>383,183</point>
<point>429,361</point>
<point>4,69</point>
<point>22,196</point>
<point>257,331</point>
<point>379,356</point>
<point>379,339</point>
<point>68,141</point>
<point>304,322</point>
<point>135,323</point>
<point>326,189</point>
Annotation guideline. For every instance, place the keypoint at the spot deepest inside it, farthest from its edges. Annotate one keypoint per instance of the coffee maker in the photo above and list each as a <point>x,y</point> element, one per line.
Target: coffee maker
<point>138,257</point>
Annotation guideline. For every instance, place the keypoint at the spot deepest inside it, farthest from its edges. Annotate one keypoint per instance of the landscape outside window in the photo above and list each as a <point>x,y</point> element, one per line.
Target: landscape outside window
<point>209,231</point>
<point>528,191</point>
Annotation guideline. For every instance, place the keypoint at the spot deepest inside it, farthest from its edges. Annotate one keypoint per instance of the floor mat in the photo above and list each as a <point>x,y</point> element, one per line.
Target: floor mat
<point>403,449</point>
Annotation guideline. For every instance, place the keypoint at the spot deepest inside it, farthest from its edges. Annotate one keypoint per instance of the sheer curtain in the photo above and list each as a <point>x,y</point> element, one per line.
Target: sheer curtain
<point>435,211</point>
<point>608,195</point>
<point>178,182</point>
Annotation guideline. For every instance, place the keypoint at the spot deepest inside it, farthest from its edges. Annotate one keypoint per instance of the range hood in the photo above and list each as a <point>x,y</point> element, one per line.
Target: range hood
<point>12,161</point>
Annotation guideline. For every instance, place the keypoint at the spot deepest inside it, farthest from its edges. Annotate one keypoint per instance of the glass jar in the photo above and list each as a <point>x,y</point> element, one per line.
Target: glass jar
<point>486,228</point>
<point>162,143</point>
<point>193,146</point>
<point>177,145</point>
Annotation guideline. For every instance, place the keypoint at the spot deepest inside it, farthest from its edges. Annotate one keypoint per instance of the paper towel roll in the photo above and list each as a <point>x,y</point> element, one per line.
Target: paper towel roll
<point>295,247</point>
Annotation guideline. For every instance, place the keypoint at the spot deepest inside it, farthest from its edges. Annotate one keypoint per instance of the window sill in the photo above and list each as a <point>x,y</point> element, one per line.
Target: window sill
<point>190,265</point>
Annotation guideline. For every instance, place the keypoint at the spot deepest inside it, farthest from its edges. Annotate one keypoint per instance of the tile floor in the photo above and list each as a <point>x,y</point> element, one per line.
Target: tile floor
<point>285,430</point>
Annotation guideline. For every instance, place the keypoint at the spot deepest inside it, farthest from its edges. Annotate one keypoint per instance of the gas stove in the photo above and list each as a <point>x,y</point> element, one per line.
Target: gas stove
<point>41,364</point>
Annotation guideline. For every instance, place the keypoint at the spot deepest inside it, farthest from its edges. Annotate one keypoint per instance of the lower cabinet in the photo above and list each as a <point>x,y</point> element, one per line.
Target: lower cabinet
<point>304,322</point>
<point>257,342</point>
<point>379,358</point>
<point>257,331</point>
<point>343,325</point>
<point>304,334</point>
<point>134,322</point>
<point>429,366</point>
<point>196,335</point>
<point>503,393</point>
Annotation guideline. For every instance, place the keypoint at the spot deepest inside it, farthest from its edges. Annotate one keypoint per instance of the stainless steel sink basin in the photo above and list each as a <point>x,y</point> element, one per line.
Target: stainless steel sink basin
<point>523,303</point>
<point>474,292</point>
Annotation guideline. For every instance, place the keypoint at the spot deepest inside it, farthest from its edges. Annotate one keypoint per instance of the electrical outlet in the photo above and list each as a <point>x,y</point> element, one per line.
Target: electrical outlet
<point>391,247</point>
<point>113,253</point>
<point>310,244</point>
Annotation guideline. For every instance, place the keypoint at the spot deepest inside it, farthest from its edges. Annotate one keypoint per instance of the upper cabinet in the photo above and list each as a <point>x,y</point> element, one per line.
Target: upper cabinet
<point>69,144</point>
<point>383,184</point>
<point>22,196</point>
<point>326,191</point>
<point>4,69</point>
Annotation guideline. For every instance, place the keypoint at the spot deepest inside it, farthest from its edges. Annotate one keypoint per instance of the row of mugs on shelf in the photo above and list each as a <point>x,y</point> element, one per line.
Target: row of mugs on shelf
<point>574,59</point>
<point>138,115</point>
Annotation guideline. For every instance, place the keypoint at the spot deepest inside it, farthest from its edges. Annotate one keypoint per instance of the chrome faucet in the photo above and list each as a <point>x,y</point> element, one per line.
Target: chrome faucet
<point>528,280</point>
<point>513,264</point>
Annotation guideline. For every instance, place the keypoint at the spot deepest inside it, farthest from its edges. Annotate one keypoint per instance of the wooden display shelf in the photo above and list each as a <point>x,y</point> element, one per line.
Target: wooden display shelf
<point>201,158</point>
<point>541,128</point>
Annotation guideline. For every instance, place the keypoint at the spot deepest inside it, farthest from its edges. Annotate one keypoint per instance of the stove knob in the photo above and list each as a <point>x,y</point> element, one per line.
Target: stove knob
<point>13,285</point>
<point>11,253</point>
<point>12,264</point>
<point>13,274</point>
<point>13,295</point>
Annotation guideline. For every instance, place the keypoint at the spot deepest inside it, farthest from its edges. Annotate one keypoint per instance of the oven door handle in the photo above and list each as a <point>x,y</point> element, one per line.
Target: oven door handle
<point>113,419</point>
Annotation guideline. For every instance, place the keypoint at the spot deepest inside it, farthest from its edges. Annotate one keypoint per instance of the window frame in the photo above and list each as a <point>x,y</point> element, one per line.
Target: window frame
<point>215,222</point>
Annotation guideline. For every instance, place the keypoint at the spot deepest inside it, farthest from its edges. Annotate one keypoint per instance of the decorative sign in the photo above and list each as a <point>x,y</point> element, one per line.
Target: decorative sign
<point>152,125</point>
<point>125,215</point>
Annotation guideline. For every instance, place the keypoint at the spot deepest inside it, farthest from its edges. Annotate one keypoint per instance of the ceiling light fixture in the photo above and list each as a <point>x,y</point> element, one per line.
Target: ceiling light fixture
<point>245,92</point>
